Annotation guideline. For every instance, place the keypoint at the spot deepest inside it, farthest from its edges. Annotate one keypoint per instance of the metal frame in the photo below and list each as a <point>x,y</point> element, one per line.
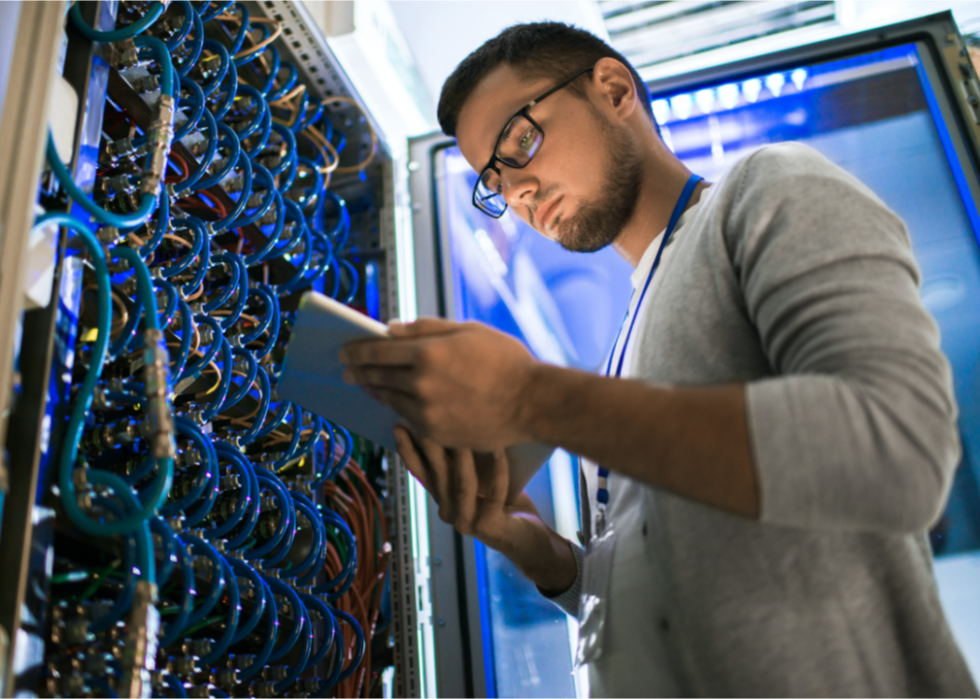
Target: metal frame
<point>23,126</point>
<point>938,31</point>
<point>455,602</point>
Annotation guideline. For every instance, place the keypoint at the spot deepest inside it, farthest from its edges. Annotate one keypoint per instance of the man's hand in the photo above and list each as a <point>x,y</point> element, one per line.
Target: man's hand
<point>461,384</point>
<point>470,492</point>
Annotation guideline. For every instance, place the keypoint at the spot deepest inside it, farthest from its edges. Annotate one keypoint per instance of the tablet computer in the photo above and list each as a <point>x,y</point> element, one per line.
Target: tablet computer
<point>312,377</point>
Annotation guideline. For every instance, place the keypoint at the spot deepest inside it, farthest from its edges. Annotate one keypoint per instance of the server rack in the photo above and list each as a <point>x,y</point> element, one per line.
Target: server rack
<point>35,536</point>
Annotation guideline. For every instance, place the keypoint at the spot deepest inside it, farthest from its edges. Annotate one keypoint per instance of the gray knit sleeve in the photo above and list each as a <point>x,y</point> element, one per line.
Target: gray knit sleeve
<point>857,430</point>
<point>567,601</point>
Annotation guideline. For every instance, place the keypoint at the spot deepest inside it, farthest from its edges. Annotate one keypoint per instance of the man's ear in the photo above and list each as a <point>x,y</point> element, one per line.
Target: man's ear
<point>615,83</point>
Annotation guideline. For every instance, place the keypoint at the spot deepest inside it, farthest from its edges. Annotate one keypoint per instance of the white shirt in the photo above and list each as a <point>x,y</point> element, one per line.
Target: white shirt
<point>636,589</point>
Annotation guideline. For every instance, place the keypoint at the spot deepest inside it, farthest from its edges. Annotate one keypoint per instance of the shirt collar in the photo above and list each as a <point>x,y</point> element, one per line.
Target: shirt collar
<point>639,275</point>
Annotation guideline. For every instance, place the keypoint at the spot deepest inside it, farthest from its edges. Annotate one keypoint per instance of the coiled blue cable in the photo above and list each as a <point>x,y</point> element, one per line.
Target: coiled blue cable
<point>220,647</point>
<point>266,395</point>
<point>262,174</point>
<point>230,139</point>
<point>297,613</point>
<point>173,629</point>
<point>306,640</point>
<point>245,496</point>
<point>286,517</point>
<point>218,9</point>
<point>360,644</point>
<point>252,511</point>
<point>147,203</point>
<point>217,583</point>
<point>287,84</point>
<point>218,399</point>
<point>271,634</point>
<point>326,643</point>
<point>227,261</point>
<point>185,27</point>
<point>200,238</point>
<point>246,626</point>
<point>194,50</point>
<point>227,221</point>
<point>202,167</point>
<point>128,32</point>
<point>224,60</point>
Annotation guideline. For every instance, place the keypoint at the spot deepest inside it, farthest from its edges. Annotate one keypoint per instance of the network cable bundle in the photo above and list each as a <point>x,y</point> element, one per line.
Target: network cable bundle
<point>210,538</point>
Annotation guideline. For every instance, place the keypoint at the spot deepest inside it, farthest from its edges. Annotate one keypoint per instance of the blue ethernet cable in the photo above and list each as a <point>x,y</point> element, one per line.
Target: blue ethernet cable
<point>360,646</point>
<point>244,570</point>
<point>218,9</point>
<point>224,60</point>
<point>222,644</point>
<point>127,32</point>
<point>306,640</point>
<point>197,43</point>
<point>224,384</point>
<point>296,607</point>
<point>271,635</point>
<point>218,584</point>
<point>147,203</point>
<point>185,27</point>
<point>172,631</point>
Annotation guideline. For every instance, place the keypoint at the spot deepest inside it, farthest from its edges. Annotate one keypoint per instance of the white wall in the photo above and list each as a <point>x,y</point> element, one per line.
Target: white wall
<point>441,34</point>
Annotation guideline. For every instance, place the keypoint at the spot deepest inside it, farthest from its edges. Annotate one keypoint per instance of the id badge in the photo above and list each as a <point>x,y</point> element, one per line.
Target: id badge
<point>594,604</point>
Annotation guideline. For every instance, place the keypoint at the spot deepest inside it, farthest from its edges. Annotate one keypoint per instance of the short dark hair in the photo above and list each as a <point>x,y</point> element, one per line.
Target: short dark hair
<point>537,49</point>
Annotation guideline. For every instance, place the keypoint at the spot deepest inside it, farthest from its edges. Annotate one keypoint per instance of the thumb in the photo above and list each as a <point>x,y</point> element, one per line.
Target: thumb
<point>422,327</point>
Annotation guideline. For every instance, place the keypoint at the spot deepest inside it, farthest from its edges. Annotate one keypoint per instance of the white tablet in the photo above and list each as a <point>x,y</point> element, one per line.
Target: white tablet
<point>312,376</point>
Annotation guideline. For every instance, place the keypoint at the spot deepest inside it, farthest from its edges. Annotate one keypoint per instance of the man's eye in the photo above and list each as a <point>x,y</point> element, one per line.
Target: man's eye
<point>527,141</point>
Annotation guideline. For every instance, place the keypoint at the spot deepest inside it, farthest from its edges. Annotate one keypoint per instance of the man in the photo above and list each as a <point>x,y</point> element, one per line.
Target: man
<point>776,424</point>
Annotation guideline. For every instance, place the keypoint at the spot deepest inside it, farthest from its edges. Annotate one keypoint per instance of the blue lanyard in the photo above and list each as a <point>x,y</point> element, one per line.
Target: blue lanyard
<point>602,494</point>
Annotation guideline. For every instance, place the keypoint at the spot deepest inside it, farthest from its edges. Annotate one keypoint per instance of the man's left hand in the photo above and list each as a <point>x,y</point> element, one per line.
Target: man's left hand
<point>460,384</point>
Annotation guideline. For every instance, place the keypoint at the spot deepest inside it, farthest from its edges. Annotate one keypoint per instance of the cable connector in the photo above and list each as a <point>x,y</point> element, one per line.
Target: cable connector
<point>124,54</point>
<point>156,377</point>
<point>160,135</point>
<point>139,657</point>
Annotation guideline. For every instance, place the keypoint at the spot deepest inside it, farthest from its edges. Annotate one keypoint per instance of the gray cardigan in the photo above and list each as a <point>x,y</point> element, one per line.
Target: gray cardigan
<point>794,279</point>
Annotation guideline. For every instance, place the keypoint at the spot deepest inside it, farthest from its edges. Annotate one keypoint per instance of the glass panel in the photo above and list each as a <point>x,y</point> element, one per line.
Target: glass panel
<point>566,308</point>
<point>877,116</point>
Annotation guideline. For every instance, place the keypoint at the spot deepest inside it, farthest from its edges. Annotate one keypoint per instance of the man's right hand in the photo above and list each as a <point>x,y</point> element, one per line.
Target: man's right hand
<point>471,496</point>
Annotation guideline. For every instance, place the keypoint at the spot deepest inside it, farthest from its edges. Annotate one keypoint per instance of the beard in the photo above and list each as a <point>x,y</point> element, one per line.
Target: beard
<point>599,222</point>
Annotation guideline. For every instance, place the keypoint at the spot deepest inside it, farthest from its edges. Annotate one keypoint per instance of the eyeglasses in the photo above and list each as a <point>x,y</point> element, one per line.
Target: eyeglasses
<point>516,145</point>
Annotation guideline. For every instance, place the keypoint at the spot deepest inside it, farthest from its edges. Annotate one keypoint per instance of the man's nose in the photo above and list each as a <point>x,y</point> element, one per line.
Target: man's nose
<point>519,186</point>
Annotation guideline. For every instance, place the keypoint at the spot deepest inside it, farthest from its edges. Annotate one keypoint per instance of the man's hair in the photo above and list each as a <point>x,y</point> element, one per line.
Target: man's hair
<point>537,49</point>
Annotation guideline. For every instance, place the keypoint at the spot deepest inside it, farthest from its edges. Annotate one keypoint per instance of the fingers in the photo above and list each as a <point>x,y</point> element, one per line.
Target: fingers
<point>406,406</point>
<point>383,352</point>
<point>412,458</point>
<point>466,485</point>
<point>500,483</point>
<point>440,468</point>
<point>398,379</point>
<point>422,327</point>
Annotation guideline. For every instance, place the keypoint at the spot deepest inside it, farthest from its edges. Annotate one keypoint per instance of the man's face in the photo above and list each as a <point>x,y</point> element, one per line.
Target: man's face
<point>580,189</point>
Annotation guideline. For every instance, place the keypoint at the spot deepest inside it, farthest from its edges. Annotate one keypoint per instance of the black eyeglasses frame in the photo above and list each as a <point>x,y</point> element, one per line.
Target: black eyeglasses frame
<point>522,112</point>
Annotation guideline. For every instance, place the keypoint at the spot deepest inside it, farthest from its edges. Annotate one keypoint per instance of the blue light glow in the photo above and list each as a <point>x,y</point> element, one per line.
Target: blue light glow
<point>798,77</point>
<point>705,100</point>
<point>681,106</point>
<point>775,83</point>
<point>728,95</point>
<point>661,111</point>
<point>751,89</point>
